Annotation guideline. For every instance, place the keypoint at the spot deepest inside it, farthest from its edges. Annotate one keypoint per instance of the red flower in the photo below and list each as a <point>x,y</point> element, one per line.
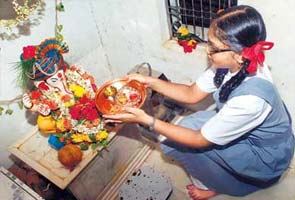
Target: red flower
<point>75,112</point>
<point>84,100</point>
<point>255,55</point>
<point>35,94</point>
<point>89,113</point>
<point>84,109</point>
<point>29,52</point>
<point>52,105</point>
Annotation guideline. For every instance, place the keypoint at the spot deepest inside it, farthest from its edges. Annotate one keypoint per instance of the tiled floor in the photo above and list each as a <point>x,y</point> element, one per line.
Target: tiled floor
<point>284,190</point>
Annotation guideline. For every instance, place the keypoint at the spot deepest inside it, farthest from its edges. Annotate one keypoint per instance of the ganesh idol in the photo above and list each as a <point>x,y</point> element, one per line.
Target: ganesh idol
<point>62,95</point>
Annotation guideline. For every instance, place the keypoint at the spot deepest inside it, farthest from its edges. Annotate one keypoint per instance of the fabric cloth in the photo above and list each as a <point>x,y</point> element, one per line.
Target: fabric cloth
<point>239,115</point>
<point>253,161</point>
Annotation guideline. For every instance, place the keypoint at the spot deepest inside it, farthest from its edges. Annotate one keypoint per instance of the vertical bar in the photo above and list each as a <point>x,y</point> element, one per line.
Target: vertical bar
<point>185,13</point>
<point>202,20</point>
<point>193,16</point>
<point>177,5</point>
<point>210,10</point>
<point>168,10</point>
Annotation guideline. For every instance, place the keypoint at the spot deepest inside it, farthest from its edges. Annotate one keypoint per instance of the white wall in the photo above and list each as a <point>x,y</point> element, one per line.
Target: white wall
<point>109,37</point>
<point>279,20</point>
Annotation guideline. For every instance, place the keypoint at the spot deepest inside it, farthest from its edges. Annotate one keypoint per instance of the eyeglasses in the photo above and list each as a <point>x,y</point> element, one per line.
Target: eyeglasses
<point>211,52</point>
<point>211,49</point>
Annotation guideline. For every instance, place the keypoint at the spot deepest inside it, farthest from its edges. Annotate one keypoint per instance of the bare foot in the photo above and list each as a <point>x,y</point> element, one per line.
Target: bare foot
<point>198,194</point>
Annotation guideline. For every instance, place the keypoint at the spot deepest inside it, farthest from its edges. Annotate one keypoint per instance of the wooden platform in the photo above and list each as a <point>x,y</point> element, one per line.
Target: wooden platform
<point>35,151</point>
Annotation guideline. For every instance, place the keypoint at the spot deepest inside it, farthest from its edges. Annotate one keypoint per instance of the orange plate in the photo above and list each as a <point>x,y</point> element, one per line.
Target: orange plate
<point>106,105</point>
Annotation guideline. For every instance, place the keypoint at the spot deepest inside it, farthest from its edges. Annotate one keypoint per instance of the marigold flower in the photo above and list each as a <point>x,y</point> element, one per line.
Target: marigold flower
<point>78,90</point>
<point>60,125</point>
<point>183,31</point>
<point>86,138</point>
<point>76,138</point>
<point>101,135</point>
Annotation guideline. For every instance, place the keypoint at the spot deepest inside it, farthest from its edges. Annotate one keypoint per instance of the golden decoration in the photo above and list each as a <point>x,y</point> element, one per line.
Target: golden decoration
<point>22,11</point>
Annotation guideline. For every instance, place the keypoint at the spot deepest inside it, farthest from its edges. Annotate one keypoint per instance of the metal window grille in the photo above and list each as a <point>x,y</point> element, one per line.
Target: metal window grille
<point>196,15</point>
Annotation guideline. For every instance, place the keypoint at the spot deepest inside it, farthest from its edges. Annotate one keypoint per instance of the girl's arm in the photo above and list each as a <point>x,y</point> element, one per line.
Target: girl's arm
<point>179,92</point>
<point>185,136</point>
<point>182,135</point>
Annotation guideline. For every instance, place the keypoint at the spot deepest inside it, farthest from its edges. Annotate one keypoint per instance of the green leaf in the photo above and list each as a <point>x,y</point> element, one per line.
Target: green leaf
<point>60,7</point>
<point>9,111</point>
<point>59,135</point>
<point>92,137</point>
<point>59,28</point>
<point>21,105</point>
<point>81,121</point>
<point>83,146</point>
<point>1,108</point>
<point>59,36</point>
<point>94,145</point>
<point>185,37</point>
<point>104,143</point>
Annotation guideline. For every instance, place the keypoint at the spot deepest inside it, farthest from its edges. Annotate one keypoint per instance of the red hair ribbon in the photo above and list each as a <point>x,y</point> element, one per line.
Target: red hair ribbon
<point>255,54</point>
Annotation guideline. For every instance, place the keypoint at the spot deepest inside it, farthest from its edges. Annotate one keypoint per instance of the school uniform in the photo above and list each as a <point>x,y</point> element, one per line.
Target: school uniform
<point>252,136</point>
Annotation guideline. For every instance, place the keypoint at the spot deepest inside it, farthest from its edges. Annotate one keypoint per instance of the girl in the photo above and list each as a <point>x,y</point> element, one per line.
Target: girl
<point>247,143</point>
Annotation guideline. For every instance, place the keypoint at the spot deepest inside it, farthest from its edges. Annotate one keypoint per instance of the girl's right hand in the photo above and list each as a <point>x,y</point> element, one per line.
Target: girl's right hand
<point>145,80</point>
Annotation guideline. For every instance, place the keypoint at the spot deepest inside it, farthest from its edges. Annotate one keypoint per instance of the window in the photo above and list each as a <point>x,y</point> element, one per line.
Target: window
<point>196,15</point>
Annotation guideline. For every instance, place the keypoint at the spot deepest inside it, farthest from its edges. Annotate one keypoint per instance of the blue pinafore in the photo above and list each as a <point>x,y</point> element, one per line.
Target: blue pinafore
<point>252,162</point>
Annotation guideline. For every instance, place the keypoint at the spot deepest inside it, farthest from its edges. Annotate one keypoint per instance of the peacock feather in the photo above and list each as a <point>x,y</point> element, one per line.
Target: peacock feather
<point>50,47</point>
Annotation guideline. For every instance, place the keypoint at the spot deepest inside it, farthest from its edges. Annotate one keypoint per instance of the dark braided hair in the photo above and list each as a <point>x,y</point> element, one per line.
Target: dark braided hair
<point>238,27</point>
<point>233,83</point>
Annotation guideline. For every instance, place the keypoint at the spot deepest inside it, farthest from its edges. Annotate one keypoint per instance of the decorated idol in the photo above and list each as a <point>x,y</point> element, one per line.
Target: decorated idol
<point>62,95</point>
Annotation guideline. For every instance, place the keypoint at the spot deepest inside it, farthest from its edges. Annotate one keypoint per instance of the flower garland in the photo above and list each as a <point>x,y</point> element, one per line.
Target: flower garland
<point>22,12</point>
<point>77,119</point>
<point>19,16</point>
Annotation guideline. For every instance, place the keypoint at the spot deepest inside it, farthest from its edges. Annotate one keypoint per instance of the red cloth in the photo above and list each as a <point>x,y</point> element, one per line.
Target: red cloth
<point>255,54</point>
<point>187,47</point>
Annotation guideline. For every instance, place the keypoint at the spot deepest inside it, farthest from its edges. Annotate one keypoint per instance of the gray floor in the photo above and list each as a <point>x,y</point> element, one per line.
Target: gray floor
<point>284,190</point>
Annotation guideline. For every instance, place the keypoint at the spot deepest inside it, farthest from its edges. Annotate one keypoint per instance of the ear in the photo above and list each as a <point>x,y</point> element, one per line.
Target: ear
<point>238,58</point>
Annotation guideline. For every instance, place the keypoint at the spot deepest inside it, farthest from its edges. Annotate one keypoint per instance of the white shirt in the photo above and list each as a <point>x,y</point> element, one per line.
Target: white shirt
<point>239,114</point>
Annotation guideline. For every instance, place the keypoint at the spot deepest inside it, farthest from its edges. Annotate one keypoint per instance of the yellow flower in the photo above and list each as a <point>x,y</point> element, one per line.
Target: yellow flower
<point>191,42</point>
<point>103,134</point>
<point>77,89</point>
<point>183,31</point>
<point>60,125</point>
<point>86,138</point>
<point>76,138</point>
<point>70,103</point>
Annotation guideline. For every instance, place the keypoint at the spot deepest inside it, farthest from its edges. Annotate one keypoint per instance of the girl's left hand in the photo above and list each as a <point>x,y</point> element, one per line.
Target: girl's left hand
<point>129,115</point>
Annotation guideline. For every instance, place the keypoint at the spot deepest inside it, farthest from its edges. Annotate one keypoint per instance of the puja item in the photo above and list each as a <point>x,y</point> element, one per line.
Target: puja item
<point>70,155</point>
<point>114,95</point>
<point>62,95</point>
